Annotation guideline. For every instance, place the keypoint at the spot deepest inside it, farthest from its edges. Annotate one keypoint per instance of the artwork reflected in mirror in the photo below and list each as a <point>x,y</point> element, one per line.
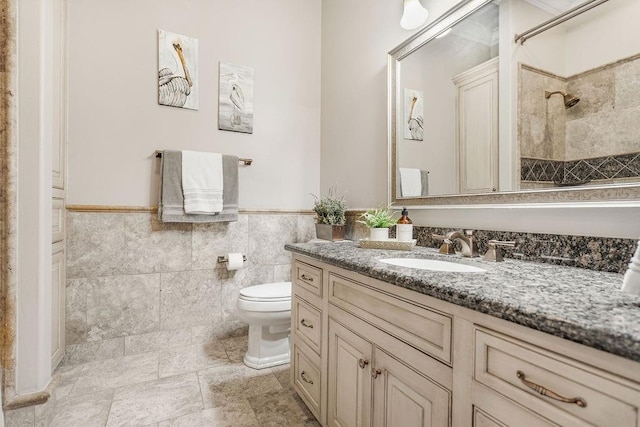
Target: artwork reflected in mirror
<point>558,112</point>
<point>449,70</point>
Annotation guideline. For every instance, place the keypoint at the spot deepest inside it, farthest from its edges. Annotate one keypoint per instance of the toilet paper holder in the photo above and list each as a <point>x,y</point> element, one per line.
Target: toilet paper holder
<point>223,258</point>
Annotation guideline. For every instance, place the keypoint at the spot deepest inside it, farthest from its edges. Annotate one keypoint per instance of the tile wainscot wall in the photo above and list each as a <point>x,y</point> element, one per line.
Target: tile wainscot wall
<point>135,284</point>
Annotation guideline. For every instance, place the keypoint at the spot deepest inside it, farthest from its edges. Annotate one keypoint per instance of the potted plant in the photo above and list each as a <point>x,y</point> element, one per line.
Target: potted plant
<point>378,221</point>
<point>330,216</point>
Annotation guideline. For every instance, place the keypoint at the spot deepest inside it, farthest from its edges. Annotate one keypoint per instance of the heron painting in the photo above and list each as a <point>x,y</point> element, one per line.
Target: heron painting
<point>178,70</point>
<point>235,98</point>
<point>413,114</point>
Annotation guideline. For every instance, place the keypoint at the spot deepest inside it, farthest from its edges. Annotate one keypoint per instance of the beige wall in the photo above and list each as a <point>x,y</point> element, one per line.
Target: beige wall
<point>115,122</point>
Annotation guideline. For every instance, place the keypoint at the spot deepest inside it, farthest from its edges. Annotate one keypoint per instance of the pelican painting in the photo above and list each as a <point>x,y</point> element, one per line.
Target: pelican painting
<point>178,70</point>
<point>413,114</point>
<point>235,101</point>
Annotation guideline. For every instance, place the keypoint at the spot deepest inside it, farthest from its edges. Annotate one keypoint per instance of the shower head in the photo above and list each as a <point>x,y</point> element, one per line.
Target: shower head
<point>569,100</point>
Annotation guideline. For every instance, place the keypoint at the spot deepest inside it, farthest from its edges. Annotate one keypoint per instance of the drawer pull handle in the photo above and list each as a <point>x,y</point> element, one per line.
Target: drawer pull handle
<point>305,324</point>
<point>375,373</point>
<point>543,391</point>
<point>307,278</point>
<point>363,363</point>
<point>305,379</point>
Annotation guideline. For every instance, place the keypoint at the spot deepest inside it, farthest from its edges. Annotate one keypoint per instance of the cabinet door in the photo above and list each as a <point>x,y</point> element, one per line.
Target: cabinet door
<point>57,304</point>
<point>402,397</point>
<point>349,378</point>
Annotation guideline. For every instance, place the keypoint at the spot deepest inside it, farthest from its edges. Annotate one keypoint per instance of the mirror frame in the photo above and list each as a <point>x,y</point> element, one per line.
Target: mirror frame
<point>595,193</point>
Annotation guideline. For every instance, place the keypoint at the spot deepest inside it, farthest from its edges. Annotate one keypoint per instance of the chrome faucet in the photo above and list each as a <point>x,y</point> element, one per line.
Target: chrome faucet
<point>469,248</point>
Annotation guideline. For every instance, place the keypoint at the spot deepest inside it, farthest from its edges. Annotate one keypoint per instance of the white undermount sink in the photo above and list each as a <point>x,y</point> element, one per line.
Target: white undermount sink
<point>433,265</point>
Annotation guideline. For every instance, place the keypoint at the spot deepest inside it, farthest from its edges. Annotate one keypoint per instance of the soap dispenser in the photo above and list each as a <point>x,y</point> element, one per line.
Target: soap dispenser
<point>404,227</point>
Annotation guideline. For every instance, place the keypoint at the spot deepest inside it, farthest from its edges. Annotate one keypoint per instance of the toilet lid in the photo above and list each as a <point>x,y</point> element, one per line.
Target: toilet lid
<point>267,292</point>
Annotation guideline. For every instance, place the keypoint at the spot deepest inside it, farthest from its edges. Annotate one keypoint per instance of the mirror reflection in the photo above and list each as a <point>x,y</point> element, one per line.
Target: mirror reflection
<point>569,114</point>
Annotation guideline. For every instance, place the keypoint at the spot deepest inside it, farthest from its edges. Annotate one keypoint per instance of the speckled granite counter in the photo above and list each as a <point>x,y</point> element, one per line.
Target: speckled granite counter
<point>584,306</point>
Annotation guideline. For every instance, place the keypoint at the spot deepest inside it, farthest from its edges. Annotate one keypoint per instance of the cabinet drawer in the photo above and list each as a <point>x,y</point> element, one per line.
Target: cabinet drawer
<point>308,277</point>
<point>306,378</point>
<point>548,382</point>
<point>308,323</point>
<point>493,410</point>
<point>427,330</point>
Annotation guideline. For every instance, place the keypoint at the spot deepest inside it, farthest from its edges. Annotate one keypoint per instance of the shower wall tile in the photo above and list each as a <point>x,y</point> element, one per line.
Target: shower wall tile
<point>153,246</point>
<point>627,85</point>
<point>211,240</point>
<point>95,244</point>
<point>541,121</point>
<point>189,298</point>
<point>596,91</point>
<point>268,235</point>
<point>122,305</point>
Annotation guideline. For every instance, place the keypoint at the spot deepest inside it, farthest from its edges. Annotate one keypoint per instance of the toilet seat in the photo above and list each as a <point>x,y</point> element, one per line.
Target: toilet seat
<point>269,297</point>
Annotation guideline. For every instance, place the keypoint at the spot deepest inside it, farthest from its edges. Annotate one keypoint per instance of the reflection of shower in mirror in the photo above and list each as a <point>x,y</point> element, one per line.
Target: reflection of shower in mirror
<point>569,100</point>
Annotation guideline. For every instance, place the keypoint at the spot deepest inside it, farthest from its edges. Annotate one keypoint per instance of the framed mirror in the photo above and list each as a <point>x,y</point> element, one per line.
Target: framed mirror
<point>476,118</point>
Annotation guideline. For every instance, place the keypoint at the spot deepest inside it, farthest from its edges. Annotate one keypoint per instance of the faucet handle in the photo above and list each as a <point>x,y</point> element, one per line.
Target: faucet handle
<point>447,245</point>
<point>494,253</point>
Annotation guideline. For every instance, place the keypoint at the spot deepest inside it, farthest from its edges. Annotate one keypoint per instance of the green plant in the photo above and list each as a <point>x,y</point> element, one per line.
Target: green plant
<point>330,209</point>
<point>381,217</point>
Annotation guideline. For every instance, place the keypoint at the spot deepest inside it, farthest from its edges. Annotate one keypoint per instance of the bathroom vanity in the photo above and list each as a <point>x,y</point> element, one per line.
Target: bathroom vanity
<point>520,344</point>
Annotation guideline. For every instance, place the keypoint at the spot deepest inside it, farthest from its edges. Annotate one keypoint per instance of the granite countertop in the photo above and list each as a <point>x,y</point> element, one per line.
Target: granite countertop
<point>580,305</point>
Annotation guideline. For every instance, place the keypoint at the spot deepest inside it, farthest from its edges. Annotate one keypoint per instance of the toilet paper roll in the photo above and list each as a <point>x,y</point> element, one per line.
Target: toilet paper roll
<point>234,261</point>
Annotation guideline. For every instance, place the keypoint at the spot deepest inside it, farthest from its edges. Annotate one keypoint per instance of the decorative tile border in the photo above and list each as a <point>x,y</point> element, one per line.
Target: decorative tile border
<point>581,170</point>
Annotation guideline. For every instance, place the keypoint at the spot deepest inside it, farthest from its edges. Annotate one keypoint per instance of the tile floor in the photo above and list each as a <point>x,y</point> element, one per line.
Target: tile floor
<point>195,385</point>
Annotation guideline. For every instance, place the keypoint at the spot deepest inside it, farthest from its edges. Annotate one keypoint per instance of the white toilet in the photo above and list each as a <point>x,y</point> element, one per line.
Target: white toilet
<point>267,310</point>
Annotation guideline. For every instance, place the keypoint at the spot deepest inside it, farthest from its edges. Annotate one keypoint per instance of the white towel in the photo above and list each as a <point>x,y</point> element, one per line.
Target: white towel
<point>410,182</point>
<point>202,182</point>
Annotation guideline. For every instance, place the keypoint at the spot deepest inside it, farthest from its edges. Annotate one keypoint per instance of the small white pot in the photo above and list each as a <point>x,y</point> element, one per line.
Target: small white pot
<point>379,234</point>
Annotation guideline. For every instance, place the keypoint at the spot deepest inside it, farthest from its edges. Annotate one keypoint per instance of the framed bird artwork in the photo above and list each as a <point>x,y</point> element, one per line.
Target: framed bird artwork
<point>235,99</point>
<point>177,70</point>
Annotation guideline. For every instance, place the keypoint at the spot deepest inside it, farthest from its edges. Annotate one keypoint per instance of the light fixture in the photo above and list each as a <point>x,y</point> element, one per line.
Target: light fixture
<point>414,15</point>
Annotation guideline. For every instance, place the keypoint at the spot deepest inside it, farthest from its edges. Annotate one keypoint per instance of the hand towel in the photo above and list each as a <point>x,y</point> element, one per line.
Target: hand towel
<point>171,204</point>
<point>202,182</point>
<point>424,181</point>
<point>410,182</point>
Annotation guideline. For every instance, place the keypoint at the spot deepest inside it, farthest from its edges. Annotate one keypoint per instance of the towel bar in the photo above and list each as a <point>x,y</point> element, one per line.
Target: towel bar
<point>247,162</point>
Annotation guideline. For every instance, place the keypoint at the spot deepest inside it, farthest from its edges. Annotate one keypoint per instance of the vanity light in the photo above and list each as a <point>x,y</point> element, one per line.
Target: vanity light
<point>414,15</point>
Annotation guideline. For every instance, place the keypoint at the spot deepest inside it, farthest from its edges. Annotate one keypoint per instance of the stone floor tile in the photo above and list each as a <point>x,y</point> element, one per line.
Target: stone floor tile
<point>229,383</point>
<point>236,347</point>
<point>191,358</point>
<point>282,373</point>
<point>154,401</point>
<point>118,372</point>
<point>233,414</point>
<point>281,408</point>
<point>85,410</point>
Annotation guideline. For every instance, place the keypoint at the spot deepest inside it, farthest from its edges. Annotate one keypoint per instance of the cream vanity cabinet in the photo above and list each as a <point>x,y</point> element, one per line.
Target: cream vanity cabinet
<point>367,353</point>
